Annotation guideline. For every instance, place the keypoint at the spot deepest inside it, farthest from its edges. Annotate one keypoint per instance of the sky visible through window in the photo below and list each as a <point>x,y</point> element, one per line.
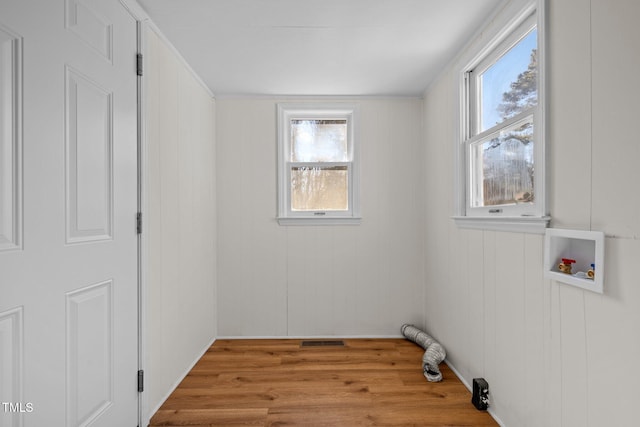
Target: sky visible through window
<point>319,141</point>
<point>497,79</point>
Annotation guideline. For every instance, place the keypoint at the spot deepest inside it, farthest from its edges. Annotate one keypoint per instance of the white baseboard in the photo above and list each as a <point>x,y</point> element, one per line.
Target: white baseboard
<point>153,410</point>
<point>470,388</point>
<point>302,337</point>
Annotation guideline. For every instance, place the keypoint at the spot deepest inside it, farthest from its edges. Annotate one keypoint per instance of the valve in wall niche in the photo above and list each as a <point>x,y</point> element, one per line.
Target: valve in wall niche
<point>591,273</point>
<point>565,265</point>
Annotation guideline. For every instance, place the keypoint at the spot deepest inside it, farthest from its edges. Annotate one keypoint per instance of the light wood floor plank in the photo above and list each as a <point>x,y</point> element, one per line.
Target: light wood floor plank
<point>368,382</point>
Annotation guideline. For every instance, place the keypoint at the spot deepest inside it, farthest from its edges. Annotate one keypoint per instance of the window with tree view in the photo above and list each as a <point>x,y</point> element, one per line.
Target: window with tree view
<point>501,137</point>
<point>317,162</point>
<point>319,174</point>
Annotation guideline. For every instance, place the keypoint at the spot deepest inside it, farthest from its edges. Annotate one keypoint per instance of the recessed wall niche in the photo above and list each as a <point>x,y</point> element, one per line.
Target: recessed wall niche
<point>583,251</point>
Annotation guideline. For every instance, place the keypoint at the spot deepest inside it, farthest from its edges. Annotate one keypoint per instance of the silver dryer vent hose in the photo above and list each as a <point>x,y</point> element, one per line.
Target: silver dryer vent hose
<point>433,355</point>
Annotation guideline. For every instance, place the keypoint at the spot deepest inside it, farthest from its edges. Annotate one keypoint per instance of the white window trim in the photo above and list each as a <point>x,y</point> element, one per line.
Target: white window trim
<point>288,111</point>
<point>499,29</point>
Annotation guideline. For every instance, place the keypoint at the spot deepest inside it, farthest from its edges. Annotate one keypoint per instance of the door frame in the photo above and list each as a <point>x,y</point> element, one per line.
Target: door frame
<point>141,19</point>
<point>143,416</point>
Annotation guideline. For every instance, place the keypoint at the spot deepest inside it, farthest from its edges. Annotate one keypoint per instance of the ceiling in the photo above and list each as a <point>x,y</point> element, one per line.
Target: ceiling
<point>318,47</point>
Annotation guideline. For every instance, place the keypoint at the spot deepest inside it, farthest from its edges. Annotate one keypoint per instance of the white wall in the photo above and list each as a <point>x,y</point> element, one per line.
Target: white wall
<point>319,280</point>
<point>180,220</point>
<point>553,355</point>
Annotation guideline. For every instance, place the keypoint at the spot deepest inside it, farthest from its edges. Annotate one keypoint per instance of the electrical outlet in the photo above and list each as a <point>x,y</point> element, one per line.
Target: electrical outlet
<point>480,398</point>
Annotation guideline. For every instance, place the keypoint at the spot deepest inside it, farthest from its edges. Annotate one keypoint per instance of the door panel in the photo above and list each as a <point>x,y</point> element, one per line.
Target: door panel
<point>85,20</point>
<point>90,350</point>
<point>88,113</point>
<point>68,199</point>
<point>11,334</point>
<point>10,140</point>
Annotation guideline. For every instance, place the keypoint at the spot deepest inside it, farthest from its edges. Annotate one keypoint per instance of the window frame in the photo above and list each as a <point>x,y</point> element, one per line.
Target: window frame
<point>507,28</point>
<point>287,112</point>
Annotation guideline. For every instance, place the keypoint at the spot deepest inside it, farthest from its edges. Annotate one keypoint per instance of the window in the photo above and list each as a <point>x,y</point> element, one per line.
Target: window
<point>501,152</point>
<point>317,164</point>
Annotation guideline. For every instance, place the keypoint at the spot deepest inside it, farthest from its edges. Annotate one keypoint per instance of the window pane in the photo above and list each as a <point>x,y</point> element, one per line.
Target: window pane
<point>319,188</point>
<point>319,141</point>
<point>509,86</point>
<point>502,167</point>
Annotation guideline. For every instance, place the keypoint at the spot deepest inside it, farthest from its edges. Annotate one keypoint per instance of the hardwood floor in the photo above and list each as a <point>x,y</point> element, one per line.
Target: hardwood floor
<point>368,382</point>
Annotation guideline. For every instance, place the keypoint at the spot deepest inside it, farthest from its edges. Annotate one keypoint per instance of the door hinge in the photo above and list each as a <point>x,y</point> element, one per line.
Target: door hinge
<point>140,381</point>
<point>139,64</point>
<point>139,223</point>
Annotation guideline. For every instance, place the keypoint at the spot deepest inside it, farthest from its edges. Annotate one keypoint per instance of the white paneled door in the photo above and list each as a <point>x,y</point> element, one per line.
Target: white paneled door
<point>68,201</point>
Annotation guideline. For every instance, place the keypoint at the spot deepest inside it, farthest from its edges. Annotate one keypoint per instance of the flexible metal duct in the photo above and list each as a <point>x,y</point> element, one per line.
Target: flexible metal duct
<point>433,355</point>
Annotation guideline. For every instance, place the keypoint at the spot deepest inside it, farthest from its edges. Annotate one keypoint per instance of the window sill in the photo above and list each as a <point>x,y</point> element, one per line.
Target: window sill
<point>531,225</point>
<point>319,221</point>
